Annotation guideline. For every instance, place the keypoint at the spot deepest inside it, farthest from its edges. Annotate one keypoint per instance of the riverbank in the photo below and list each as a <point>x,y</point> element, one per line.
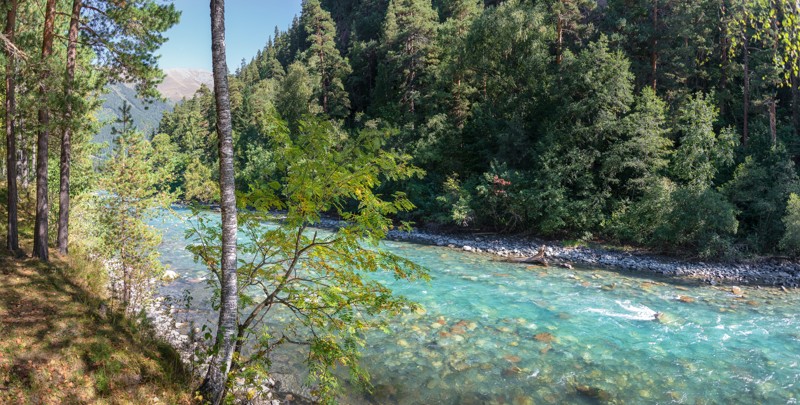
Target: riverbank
<point>773,272</point>
<point>768,271</point>
<point>61,344</point>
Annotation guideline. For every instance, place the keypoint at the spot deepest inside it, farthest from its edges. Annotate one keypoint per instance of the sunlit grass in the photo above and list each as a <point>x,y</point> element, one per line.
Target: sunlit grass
<point>58,347</point>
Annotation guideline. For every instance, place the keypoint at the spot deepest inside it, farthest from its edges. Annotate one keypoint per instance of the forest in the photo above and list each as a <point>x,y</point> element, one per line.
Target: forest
<point>669,126</point>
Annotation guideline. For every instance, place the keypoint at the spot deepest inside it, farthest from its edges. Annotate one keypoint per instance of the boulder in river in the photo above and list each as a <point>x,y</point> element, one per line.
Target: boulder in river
<point>169,276</point>
<point>593,392</point>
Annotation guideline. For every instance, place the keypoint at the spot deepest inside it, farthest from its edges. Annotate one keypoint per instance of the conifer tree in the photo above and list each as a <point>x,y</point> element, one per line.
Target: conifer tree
<point>10,127</point>
<point>324,59</point>
<point>409,33</point>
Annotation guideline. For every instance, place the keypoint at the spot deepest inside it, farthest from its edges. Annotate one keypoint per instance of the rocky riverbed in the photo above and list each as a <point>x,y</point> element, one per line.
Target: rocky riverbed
<point>765,272</point>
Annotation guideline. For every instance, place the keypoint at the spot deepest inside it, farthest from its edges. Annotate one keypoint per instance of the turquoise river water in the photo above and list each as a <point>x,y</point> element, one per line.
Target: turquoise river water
<point>503,333</point>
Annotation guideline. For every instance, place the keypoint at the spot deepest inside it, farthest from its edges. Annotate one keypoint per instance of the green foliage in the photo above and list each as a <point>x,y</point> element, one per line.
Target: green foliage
<point>598,117</point>
<point>790,242</point>
<point>702,151</point>
<point>324,59</point>
<point>130,197</point>
<point>125,37</point>
<point>296,96</point>
<point>456,203</point>
<point>502,199</point>
<point>595,94</point>
<point>319,280</point>
<point>679,219</point>
<point>644,150</point>
<point>199,183</point>
<point>700,221</point>
<point>759,188</point>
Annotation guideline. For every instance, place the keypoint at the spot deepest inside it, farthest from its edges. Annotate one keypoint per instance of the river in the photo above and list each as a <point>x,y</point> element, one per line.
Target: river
<point>503,333</point>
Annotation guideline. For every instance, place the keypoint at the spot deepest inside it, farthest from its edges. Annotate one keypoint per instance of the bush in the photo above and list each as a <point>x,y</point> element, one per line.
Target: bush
<point>638,222</point>
<point>701,220</point>
<point>790,243</point>
<point>502,200</point>
<point>455,203</point>
<point>698,221</point>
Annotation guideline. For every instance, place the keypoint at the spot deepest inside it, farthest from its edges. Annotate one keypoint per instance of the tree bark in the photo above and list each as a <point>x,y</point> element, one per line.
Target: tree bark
<point>773,125</point>
<point>40,236</point>
<point>66,136</point>
<point>795,106</point>
<point>11,135</point>
<point>559,39</point>
<point>213,387</point>
<point>746,91</point>
<point>654,49</point>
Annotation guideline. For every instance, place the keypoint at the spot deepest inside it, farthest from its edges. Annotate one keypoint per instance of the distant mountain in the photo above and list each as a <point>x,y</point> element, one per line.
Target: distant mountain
<point>181,83</point>
<point>178,84</point>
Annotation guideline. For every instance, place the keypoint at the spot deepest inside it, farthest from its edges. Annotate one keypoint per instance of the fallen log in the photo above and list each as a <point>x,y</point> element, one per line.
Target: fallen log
<point>540,258</point>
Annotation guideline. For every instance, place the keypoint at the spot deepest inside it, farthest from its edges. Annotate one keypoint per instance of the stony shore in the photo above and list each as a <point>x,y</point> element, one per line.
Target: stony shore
<point>772,272</point>
<point>162,313</point>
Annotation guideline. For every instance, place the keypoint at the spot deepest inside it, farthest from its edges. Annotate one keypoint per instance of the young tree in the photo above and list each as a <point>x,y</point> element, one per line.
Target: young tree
<point>131,197</point>
<point>213,386</point>
<point>702,151</point>
<point>316,277</point>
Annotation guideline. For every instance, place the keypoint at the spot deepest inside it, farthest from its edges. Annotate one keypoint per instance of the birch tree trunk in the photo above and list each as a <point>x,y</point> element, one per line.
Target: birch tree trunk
<point>213,387</point>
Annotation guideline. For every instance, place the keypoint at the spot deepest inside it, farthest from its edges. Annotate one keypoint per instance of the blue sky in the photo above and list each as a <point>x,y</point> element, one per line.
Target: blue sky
<point>249,23</point>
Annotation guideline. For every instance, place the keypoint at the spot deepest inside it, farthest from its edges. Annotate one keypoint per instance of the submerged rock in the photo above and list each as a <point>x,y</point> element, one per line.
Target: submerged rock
<point>544,337</point>
<point>593,392</point>
<point>512,371</point>
<point>686,299</point>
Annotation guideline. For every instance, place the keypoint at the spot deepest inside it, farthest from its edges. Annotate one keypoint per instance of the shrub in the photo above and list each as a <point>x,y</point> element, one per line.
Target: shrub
<point>790,242</point>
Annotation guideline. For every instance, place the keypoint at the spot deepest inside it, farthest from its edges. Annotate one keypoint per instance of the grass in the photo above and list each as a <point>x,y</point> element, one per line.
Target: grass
<point>58,346</point>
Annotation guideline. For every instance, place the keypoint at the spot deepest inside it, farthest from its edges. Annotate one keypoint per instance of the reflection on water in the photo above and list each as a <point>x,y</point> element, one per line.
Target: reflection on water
<point>495,332</point>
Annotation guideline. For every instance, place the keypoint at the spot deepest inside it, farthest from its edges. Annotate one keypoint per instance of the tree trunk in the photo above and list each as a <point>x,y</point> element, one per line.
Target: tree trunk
<point>773,125</point>
<point>795,106</point>
<point>559,40</point>
<point>213,387</point>
<point>11,136</point>
<point>40,236</point>
<point>724,43</point>
<point>654,48</point>
<point>66,136</point>
<point>746,91</point>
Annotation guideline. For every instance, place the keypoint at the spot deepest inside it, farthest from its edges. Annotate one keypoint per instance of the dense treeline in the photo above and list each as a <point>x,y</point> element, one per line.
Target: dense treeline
<point>59,55</point>
<point>668,124</point>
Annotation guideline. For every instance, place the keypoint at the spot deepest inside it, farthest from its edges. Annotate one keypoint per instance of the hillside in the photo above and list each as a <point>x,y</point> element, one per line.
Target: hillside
<point>178,84</point>
<point>183,83</point>
<point>61,345</point>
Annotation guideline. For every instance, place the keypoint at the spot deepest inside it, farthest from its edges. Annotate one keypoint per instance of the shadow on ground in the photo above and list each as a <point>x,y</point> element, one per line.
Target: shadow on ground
<point>60,345</point>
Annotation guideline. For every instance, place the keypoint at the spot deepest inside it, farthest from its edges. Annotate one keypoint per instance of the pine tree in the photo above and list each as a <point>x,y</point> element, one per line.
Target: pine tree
<point>10,127</point>
<point>40,236</point>
<point>409,33</point>
<point>324,59</point>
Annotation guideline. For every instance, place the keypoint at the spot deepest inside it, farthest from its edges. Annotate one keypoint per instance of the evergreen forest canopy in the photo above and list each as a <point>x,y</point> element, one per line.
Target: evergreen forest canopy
<point>672,125</point>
